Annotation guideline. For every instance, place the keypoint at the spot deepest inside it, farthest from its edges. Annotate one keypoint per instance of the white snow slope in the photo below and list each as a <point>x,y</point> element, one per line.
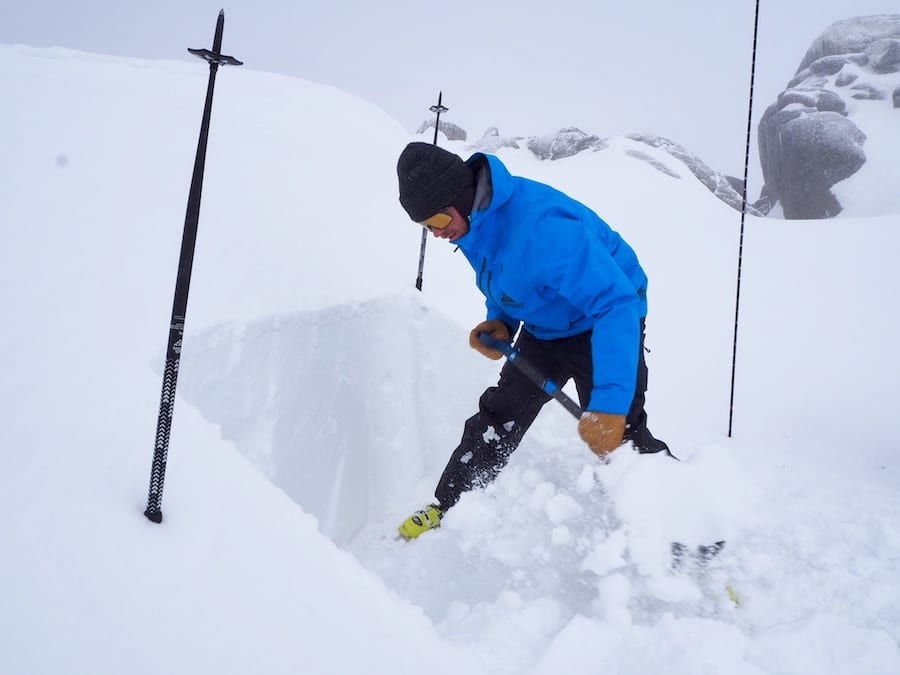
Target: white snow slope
<point>320,396</point>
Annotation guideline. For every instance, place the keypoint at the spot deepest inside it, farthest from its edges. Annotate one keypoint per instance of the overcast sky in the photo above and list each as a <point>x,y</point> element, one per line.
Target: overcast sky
<point>530,67</point>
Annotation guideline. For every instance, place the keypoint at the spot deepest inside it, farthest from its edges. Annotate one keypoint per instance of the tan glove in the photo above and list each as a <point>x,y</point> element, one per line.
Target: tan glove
<point>601,431</point>
<point>493,327</point>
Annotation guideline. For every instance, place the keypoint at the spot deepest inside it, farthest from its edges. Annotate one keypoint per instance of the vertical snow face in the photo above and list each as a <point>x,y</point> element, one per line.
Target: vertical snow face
<point>338,407</point>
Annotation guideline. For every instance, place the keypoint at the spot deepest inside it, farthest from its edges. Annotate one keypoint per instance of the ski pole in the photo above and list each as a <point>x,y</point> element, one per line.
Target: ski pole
<point>547,385</point>
<point>437,110</point>
<point>215,58</point>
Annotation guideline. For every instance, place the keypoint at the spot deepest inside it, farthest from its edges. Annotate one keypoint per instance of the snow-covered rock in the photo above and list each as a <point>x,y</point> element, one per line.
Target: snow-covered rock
<point>492,141</point>
<point>851,36</point>
<point>453,132</point>
<point>564,143</point>
<point>727,188</point>
<point>570,141</point>
<point>813,136</point>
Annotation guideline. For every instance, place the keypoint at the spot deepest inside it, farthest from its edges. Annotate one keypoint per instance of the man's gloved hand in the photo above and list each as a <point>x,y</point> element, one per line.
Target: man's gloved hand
<point>601,431</point>
<point>493,327</point>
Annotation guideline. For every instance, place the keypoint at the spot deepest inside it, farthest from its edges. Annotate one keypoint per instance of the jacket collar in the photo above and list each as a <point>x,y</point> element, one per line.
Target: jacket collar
<point>493,188</point>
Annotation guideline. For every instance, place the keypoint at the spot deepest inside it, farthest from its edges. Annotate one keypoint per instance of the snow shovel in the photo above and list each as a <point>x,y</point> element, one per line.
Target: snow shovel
<point>680,552</point>
<point>548,386</point>
<point>514,357</point>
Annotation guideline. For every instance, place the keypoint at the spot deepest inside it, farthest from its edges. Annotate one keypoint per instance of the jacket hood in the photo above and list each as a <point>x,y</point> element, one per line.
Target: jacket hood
<point>493,188</point>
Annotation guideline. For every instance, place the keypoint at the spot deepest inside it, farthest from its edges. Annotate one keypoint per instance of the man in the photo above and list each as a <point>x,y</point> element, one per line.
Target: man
<point>551,265</point>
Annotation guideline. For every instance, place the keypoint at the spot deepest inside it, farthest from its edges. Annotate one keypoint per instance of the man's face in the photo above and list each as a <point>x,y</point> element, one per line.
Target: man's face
<point>458,227</point>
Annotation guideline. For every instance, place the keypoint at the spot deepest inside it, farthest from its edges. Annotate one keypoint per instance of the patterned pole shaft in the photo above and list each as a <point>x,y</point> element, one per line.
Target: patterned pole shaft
<point>183,282</point>
<point>737,292</point>
<point>161,449</point>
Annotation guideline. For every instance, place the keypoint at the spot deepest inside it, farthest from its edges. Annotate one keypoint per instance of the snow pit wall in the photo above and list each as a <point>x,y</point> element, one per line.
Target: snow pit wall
<point>344,408</point>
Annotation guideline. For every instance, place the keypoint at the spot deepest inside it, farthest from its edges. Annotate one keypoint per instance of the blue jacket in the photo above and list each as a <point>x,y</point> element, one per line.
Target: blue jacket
<point>546,260</point>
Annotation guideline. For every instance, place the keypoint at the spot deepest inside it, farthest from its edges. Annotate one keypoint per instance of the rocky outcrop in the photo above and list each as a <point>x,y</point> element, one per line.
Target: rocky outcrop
<point>564,143</point>
<point>570,141</point>
<point>492,141</point>
<point>662,167</point>
<point>727,188</point>
<point>809,154</point>
<point>851,37</point>
<point>451,131</point>
<point>808,139</point>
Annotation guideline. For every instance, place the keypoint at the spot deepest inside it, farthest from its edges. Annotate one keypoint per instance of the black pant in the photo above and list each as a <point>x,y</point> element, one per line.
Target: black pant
<point>506,411</point>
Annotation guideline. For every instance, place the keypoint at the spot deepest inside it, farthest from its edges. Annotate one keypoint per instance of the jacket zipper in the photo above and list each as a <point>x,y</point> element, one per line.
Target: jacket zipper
<point>481,274</point>
<point>487,288</point>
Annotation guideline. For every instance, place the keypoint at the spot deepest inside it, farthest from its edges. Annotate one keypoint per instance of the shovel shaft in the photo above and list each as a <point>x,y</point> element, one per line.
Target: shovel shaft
<point>515,357</point>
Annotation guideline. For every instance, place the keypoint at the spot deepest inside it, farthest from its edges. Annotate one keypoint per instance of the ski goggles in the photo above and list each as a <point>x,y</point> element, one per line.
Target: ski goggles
<point>438,221</point>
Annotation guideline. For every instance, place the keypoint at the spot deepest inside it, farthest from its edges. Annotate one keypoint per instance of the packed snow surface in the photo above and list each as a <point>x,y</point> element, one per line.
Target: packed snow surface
<point>320,395</point>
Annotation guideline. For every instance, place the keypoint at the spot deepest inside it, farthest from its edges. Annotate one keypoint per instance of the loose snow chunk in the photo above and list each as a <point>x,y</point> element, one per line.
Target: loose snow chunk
<point>490,435</point>
<point>541,495</point>
<point>561,508</point>
<point>586,480</point>
<point>613,594</point>
<point>674,589</point>
<point>561,536</point>
<point>532,477</point>
<point>608,554</point>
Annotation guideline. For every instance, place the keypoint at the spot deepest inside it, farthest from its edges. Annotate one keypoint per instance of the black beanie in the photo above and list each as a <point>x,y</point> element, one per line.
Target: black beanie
<point>431,179</point>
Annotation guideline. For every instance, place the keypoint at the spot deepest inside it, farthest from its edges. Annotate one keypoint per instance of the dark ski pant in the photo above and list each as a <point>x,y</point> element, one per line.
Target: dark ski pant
<point>506,411</point>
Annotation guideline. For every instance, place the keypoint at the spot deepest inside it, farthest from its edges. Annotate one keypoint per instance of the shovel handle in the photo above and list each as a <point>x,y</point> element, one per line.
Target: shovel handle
<point>548,386</point>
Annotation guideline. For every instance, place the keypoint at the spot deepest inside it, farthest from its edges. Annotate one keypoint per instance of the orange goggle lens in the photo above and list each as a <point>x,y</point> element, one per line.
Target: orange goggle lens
<point>438,221</point>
